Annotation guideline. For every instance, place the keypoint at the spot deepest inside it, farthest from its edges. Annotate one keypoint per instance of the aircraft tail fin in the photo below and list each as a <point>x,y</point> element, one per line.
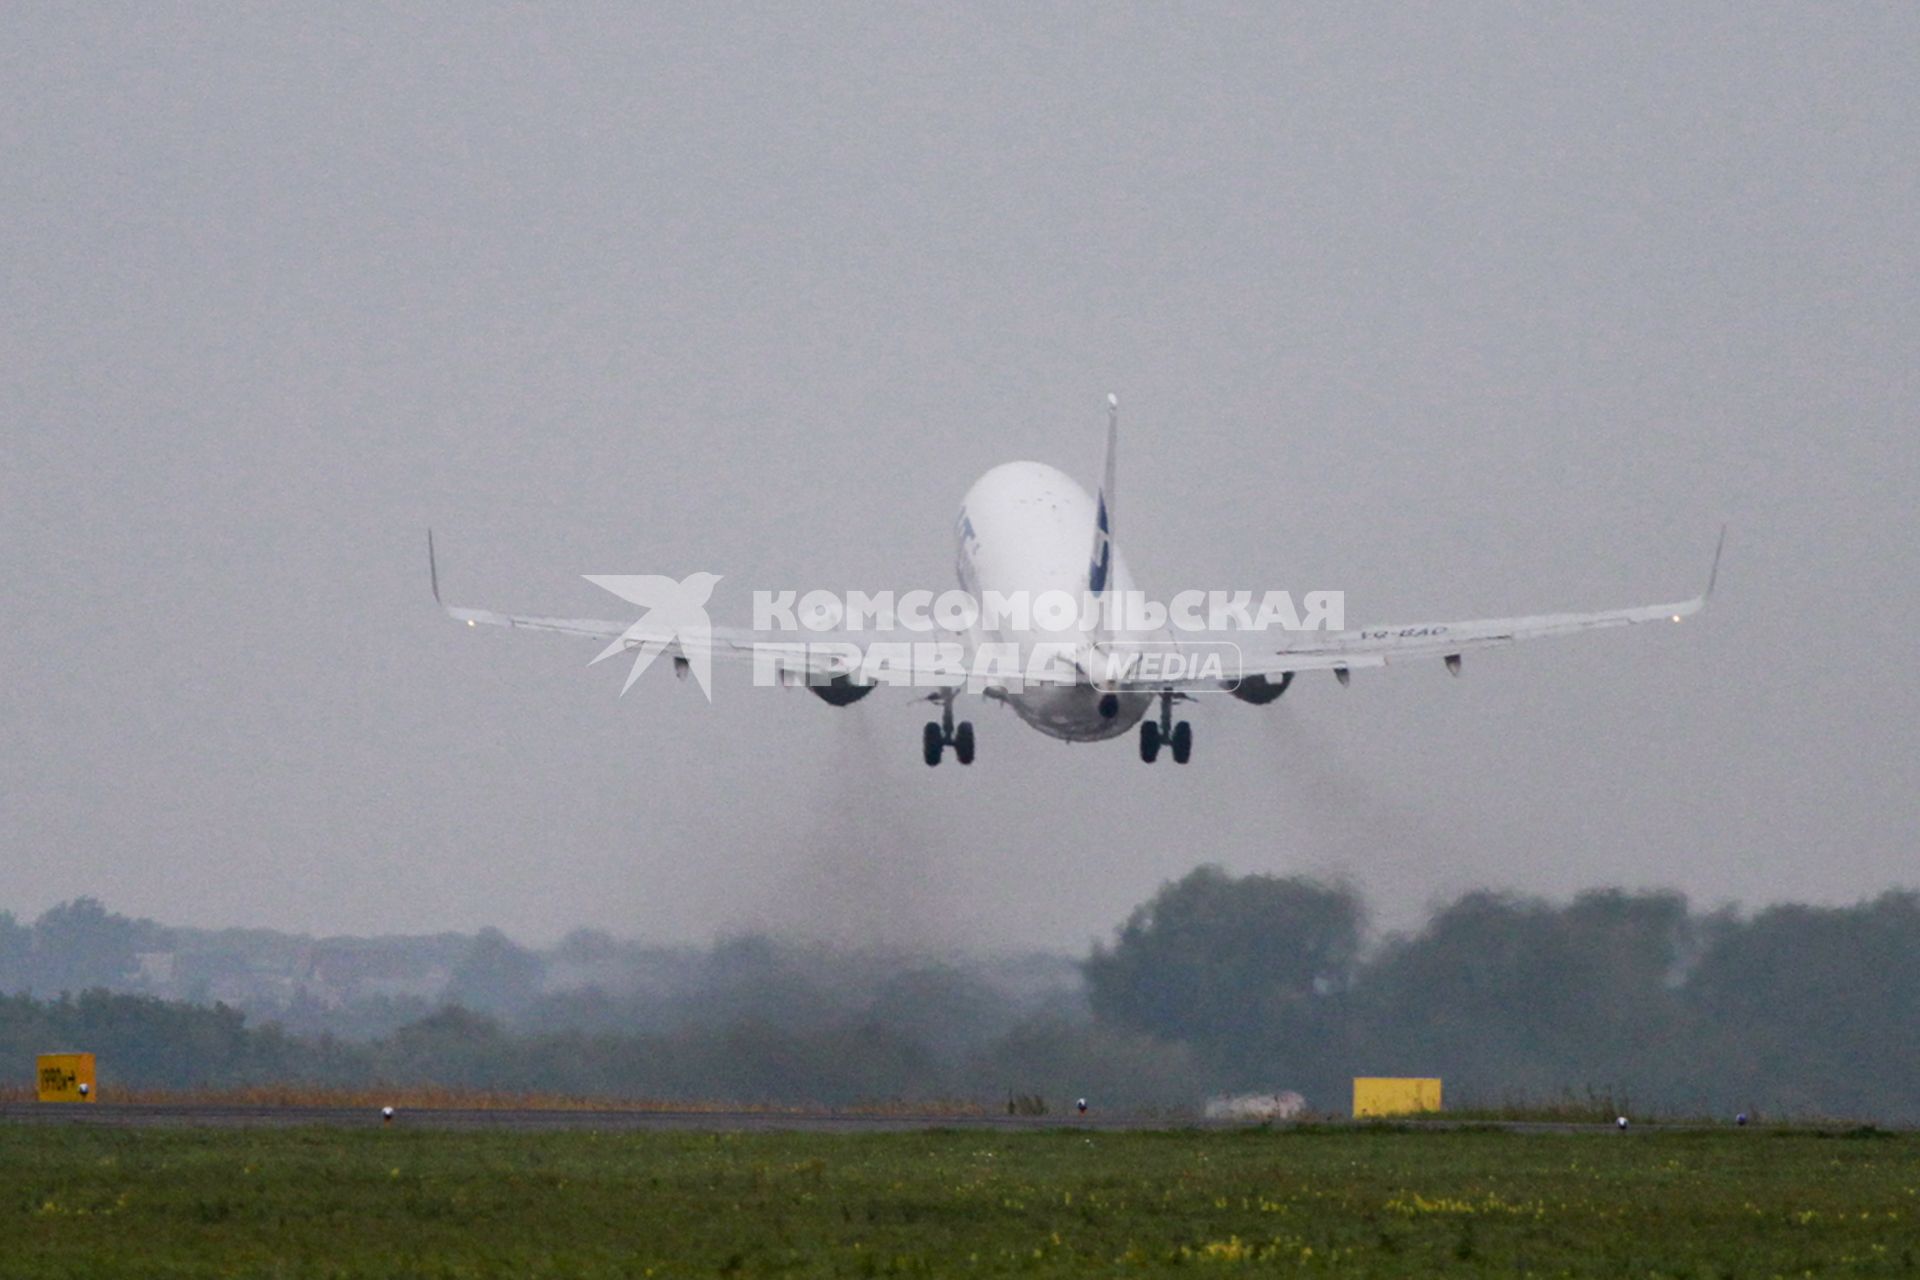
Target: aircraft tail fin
<point>1100,563</point>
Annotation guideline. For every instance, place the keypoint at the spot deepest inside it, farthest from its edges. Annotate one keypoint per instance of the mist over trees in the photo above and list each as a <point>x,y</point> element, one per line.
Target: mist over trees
<point>1217,983</point>
<point>1248,972</point>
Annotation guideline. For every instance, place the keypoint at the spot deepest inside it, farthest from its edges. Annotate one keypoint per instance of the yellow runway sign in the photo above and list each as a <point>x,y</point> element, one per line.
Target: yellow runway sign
<point>67,1077</point>
<point>1395,1095</point>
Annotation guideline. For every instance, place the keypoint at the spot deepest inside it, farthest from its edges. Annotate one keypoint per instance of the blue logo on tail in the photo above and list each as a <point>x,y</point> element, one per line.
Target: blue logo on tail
<point>1103,553</point>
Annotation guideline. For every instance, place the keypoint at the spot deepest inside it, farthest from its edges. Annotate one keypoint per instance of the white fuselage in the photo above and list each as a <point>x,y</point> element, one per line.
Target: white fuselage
<point>1025,527</point>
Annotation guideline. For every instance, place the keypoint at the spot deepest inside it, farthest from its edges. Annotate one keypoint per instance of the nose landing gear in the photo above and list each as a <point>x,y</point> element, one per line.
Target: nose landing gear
<point>935,738</point>
<point>1177,737</point>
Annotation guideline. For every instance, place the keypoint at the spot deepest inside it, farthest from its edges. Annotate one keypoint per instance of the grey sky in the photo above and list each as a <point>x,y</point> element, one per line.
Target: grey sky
<point>1463,309</point>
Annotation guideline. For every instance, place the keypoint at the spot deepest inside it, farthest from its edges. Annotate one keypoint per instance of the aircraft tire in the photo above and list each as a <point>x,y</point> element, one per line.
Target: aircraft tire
<point>1149,740</point>
<point>931,743</point>
<point>963,742</point>
<point>1182,742</point>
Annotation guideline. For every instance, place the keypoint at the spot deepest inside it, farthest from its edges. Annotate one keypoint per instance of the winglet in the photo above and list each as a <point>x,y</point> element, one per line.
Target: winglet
<point>433,572</point>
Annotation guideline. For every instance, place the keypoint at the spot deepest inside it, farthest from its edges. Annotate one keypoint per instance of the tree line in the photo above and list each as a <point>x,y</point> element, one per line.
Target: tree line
<point>1795,1009</point>
<point>1218,983</point>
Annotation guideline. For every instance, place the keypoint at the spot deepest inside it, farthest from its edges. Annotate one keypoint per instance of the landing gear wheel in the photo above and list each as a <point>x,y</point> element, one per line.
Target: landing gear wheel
<point>931,741</point>
<point>1182,742</point>
<point>1149,740</point>
<point>963,742</point>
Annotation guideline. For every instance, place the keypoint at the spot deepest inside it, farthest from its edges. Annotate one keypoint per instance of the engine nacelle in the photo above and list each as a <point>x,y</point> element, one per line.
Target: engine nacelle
<point>840,691</point>
<point>1260,690</point>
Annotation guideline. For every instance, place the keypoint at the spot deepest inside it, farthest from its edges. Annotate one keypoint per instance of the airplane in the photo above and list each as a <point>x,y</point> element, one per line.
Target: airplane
<point>1026,527</point>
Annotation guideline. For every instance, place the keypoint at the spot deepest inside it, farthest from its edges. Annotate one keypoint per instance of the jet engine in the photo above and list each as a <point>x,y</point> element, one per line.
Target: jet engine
<point>1260,690</point>
<point>840,691</point>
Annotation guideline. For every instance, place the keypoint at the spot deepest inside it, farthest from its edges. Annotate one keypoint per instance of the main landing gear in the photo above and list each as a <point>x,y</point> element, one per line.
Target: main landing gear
<point>935,738</point>
<point>1153,733</point>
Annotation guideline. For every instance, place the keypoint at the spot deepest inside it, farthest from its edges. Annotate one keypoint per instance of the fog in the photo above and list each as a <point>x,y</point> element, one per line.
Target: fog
<point>1461,310</point>
<point>1606,1004</point>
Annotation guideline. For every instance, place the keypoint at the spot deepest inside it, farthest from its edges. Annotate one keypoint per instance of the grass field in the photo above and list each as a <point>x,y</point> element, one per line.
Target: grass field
<point>79,1201</point>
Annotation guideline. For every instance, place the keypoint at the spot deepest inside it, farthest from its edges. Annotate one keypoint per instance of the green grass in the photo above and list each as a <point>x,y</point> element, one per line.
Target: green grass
<point>98,1202</point>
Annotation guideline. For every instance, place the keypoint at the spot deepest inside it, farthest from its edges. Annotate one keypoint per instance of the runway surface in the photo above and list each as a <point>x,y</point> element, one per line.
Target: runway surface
<point>539,1120</point>
<point>216,1116</point>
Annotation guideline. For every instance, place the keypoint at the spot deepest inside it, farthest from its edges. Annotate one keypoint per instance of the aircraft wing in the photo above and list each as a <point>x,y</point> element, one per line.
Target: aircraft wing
<point>1342,651</point>
<point>799,657</point>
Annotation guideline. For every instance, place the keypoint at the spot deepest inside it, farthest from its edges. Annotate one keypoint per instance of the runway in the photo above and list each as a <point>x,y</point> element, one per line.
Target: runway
<point>621,1120</point>
<point>534,1120</point>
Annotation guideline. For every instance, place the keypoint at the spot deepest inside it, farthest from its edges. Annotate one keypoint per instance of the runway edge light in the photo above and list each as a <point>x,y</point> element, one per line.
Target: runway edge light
<point>1394,1095</point>
<point>66,1077</point>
